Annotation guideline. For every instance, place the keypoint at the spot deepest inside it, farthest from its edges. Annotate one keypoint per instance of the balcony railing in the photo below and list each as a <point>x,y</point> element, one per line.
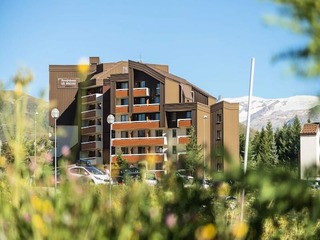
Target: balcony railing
<point>154,157</point>
<point>122,109</point>
<point>91,145</point>
<point>141,92</point>
<point>95,113</point>
<point>122,93</point>
<point>183,139</point>
<point>153,124</point>
<point>138,141</point>
<point>89,130</point>
<point>140,108</point>
<point>184,123</point>
<point>92,98</point>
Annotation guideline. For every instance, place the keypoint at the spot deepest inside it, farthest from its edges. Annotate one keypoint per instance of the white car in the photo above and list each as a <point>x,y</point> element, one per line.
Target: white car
<point>92,173</point>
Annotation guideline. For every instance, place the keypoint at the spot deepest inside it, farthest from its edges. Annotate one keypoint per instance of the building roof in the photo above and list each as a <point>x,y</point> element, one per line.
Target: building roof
<point>310,129</point>
<point>180,80</point>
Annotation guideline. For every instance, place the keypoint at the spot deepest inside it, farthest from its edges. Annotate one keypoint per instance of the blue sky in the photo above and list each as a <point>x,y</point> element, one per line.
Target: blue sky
<point>210,43</point>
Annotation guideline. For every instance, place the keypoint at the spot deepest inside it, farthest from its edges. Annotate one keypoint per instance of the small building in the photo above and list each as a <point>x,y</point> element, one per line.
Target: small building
<point>309,151</point>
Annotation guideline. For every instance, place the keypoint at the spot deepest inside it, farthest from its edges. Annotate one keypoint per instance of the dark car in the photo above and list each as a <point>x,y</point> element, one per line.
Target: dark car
<point>132,173</point>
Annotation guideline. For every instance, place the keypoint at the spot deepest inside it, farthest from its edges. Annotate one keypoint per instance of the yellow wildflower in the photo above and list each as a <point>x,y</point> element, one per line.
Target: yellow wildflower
<point>206,232</point>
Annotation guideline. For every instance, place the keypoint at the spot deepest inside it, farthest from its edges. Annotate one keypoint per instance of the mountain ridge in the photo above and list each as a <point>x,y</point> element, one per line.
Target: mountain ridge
<point>278,111</point>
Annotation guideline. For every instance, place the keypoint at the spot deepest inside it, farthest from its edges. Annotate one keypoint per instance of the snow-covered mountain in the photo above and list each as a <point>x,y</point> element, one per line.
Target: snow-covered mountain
<point>278,111</point>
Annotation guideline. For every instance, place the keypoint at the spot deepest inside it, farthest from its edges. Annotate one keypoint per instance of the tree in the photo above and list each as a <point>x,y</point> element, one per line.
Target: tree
<point>121,161</point>
<point>302,17</point>
<point>194,152</point>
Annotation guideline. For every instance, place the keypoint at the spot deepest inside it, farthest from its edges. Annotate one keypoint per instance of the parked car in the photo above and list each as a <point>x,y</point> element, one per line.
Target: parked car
<point>135,174</point>
<point>90,173</point>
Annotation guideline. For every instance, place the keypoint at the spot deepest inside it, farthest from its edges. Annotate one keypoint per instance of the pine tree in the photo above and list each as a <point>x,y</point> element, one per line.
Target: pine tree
<point>194,152</point>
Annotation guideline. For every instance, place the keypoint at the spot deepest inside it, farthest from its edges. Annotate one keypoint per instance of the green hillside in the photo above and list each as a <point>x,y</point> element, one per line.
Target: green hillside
<point>27,106</point>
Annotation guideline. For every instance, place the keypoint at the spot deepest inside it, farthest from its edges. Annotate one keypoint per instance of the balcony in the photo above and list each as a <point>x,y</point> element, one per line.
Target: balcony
<point>122,93</point>
<point>183,139</point>
<point>91,145</point>
<point>139,141</point>
<point>154,157</point>
<point>141,108</point>
<point>91,130</point>
<point>95,113</point>
<point>122,109</point>
<point>141,92</point>
<point>136,125</point>
<point>92,98</point>
<point>184,123</point>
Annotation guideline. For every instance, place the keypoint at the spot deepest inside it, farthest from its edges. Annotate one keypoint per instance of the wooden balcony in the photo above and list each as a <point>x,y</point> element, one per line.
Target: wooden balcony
<point>122,93</point>
<point>95,113</point>
<point>184,123</point>
<point>91,145</point>
<point>92,98</point>
<point>91,130</point>
<point>136,125</point>
<point>154,157</point>
<point>146,108</point>
<point>183,139</point>
<point>122,109</point>
<point>140,141</point>
<point>141,92</point>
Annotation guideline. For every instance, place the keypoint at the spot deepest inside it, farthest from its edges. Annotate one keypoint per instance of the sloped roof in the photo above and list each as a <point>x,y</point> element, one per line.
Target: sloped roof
<point>310,129</point>
<point>180,80</point>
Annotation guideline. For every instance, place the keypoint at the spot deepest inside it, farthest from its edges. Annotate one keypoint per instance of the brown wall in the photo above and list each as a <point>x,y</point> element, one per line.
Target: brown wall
<point>172,91</point>
<point>61,97</point>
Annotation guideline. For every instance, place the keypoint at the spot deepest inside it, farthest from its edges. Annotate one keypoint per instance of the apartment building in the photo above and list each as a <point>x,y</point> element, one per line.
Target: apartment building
<point>153,110</point>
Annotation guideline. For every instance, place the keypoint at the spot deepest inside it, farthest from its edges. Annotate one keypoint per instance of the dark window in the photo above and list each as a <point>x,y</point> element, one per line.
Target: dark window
<point>157,116</point>
<point>219,118</point>
<point>141,133</point>
<point>159,133</point>
<point>157,99</point>
<point>141,150</point>
<point>124,134</point>
<point>189,114</point>
<point>174,133</point>
<point>159,166</point>
<point>122,85</point>
<point>159,149</point>
<point>141,117</point>
<point>125,150</point>
<point>174,149</point>
<point>188,131</point>
<point>219,134</point>
<point>124,118</point>
<point>125,101</point>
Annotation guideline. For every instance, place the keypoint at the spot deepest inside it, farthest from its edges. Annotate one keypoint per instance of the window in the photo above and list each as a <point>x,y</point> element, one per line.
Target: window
<point>159,133</point>
<point>124,118</point>
<point>189,114</point>
<point>141,133</point>
<point>124,134</point>
<point>122,85</point>
<point>174,133</point>
<point>157,99</point>
<point>158,89</point>
<point>140,100</point>
<point>188,131</point>
<point>174,149</point>
<point>140,84</point>
<point>159,149</point>
<point>125,150</point>
<point>219,134</point>
<point>125,101</point>
<point>141,117</point>
<point>159,166</point>
<point>173,117</point>
<point>157,116</point>
<point>219,118</point>
<point>141,150</point>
